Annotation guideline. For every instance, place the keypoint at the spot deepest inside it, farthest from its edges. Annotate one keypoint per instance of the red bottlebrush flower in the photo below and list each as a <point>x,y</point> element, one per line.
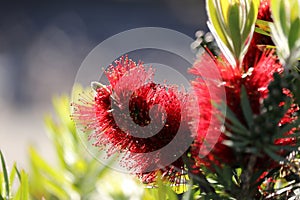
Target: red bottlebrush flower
<point>264,12</point>
<point>288,118</point>
<point>255,79</point>
<point>137,117</point>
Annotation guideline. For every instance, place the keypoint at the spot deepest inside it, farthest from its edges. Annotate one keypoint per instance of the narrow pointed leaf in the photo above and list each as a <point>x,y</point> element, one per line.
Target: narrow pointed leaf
<point>283,17</point>
<point>234,27</point>
<point>23,192</point>
<point>294,34</point>
<point>264,25</point>
<point>247,110</point>
<point>275,9</point>
<point>250,21</point>
<point>18,173</point>
<point>231,117</point>
<point>45,167</point>
<point>214,19</point>
<point>261,31</point>
<point>12,175</point>
<point>273,155</point>
<point>5,175</point>
<point>224,8</point>
<point>238,131</point>
<point>295,11</point>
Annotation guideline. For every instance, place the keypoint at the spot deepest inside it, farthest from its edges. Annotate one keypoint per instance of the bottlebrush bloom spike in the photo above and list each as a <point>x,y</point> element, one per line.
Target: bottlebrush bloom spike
<point>256,80</point>
<point>118,117</point>
<point>264,12</point>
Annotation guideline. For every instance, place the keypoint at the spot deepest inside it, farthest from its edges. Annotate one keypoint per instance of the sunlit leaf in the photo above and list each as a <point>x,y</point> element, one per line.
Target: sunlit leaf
<point>234,27</point>
<point>261,31</point>
<point>23,192</point>
<point>5,176</point>
<point>283,17</point>
<point>216,20</point>
<point>37,160</point>
<point>263,25</point>
<point>232,23</point>
<point>294,34</point>
<point>285,31</point>
<point>12,175</point>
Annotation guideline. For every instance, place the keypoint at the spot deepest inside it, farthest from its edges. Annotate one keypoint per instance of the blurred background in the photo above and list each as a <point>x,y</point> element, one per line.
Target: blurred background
<point>43,44</point>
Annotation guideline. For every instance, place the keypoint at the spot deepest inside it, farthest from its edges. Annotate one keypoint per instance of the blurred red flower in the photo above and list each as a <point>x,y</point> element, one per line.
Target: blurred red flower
<point>118,117</point>
<point>264,12</point>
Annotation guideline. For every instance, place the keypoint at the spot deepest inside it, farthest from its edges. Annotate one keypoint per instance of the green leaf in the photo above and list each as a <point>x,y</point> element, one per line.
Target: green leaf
<point>232,118</point>
<point>234,27</point>
<point>275,9</point>
<point>236,144</point>
<point>247,110</point>
<point>18,173</point>
<point>237,131</point>
<point>1,185</point>
<point>220,29</point>
<point>227,176</point>
<point>148,195</point>
<point>295,10</point>
<point>160,191</point>
<point>5,175</point>
<point>294,34</point>
<point>23,192</point>
<point>263,25</point>
<point>58,139</point>
<point>62,109</point>
<point>270,46</point>
<point>43,166</point>
<point>273,155</point>
<point>12,175</point>
<point>224,7</point>
<point>280,183</point>
<point>93,173</point>
<point>216,20</point>
<point>232,23</point>
<point>55,189</point>
<point>250,19</point>
<point>285,30</point>
<point>261,31</point>
<point>283,17</point>
<point>189,194</point>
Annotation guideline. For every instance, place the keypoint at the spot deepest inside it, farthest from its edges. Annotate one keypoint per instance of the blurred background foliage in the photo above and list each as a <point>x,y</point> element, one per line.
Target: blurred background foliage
<point>10,188</point>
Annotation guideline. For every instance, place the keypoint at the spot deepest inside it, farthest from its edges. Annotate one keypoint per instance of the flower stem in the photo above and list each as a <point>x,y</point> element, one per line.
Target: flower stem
<point>246,178</point>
